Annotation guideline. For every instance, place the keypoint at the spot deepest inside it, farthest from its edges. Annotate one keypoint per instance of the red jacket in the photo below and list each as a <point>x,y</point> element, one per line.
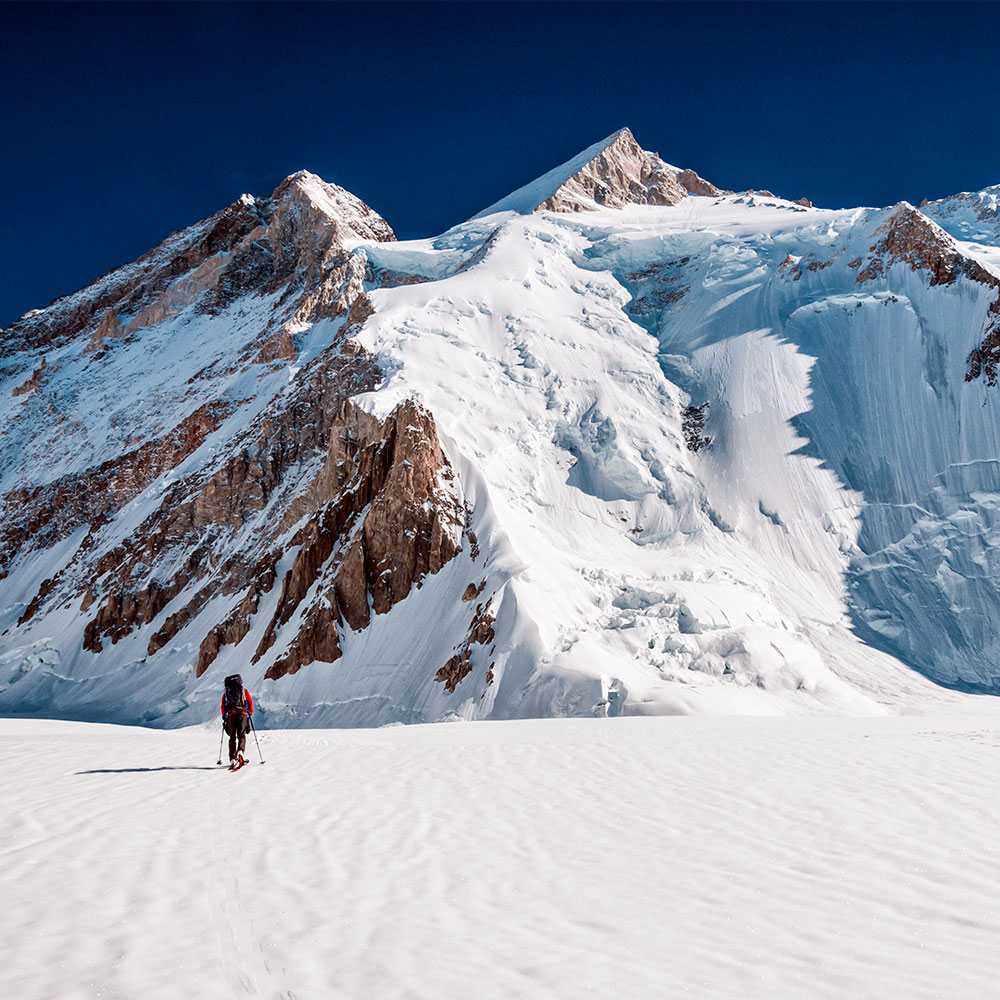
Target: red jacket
<point>248,710</point>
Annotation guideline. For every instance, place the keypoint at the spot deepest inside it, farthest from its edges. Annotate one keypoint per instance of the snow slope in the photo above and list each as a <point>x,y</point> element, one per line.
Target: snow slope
<point>841,425</point>
<point>641,858</point>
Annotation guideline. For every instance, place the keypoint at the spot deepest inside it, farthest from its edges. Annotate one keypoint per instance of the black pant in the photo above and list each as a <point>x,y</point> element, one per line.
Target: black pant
<point>237,726</point>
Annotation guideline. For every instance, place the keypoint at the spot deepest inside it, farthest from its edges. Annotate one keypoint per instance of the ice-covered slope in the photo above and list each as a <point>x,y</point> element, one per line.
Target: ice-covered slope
<point>726,454</point>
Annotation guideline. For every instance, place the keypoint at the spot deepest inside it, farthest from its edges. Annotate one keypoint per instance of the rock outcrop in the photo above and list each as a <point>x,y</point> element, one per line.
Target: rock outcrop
<point>380,513</point>
<point>33,382</point>
<point>623,173</point>
<point>459,666</point>
<point>392,518</point>
<point>130,289</point>
<point>610,174</point>
<point>909,237</point>
<point>250,486</point>
<point>971,215</point>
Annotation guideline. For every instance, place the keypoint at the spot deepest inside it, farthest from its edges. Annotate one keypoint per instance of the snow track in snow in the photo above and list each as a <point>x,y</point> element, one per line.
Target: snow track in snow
<point>700,857</point>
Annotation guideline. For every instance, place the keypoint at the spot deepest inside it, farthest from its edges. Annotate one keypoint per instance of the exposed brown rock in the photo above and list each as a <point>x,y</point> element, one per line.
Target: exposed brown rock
<point>623,173</point>
<point>233,629</point>
<point>361,309</point>
<point>181,293</point>
<point>980,205</point>
<point>46,588</point>
<point>655,288</point>
<point>283,346</point>
<point>454,671</point>
<point>217,504</point>
<point>694,184</point>
<point>391,519</point>
<point>211,504</point>
<point>334,287</point>
<point>984,359</point>
<point>351,586</point>
<point>121,611</point>
<point>473,540</point>
<point>292,240</point>
<point>910,237</point>
<point>317,639</point>
<point>391,471</point>
<point>130,288</point>
<point>380,508</point>
<point>109,327</point>
<point>408,532</point>
<point>41,516</point>
<point>481,633</point>
<point>34,382</point>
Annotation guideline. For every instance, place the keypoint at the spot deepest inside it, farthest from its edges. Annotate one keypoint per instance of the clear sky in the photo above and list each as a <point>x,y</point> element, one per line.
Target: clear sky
<point>121,123</point>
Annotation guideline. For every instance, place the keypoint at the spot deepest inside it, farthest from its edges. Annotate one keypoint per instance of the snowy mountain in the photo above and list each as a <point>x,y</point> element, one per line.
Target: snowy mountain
<point>610,174</point>
<point>623,442</point>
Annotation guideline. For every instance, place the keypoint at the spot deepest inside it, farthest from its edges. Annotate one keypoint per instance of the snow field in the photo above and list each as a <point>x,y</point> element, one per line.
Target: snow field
<point>695,857</point>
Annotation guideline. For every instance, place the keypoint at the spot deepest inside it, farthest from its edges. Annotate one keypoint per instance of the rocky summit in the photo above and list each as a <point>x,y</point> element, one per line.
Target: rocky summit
<point>624,442</point>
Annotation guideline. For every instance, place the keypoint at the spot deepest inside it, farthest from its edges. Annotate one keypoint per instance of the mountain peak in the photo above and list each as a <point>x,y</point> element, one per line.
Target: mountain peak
<point>612,173</point>
<point>307,193</point>
<point>970,215</point>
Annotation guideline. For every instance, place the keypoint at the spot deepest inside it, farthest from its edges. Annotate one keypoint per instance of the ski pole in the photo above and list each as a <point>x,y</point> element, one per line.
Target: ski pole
<point>254,728</point>
<point>221,738</point>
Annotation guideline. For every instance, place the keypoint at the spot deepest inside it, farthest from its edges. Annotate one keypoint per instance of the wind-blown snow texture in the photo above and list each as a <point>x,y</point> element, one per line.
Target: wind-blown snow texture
<point>715,859</point>
<point>727,455</point>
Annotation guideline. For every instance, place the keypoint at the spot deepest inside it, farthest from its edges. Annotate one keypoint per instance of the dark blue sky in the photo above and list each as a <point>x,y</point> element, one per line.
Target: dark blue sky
<point>120,123</point>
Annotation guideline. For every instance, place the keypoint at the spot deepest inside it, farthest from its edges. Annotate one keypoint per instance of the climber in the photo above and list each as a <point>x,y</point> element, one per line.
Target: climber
<point>236,708</point>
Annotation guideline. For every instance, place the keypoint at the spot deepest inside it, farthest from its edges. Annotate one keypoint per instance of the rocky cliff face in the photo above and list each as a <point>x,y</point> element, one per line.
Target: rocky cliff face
<point>737,456</point>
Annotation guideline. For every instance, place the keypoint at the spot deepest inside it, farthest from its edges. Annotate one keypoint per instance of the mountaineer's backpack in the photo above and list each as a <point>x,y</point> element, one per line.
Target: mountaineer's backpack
<point>234,699</point>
